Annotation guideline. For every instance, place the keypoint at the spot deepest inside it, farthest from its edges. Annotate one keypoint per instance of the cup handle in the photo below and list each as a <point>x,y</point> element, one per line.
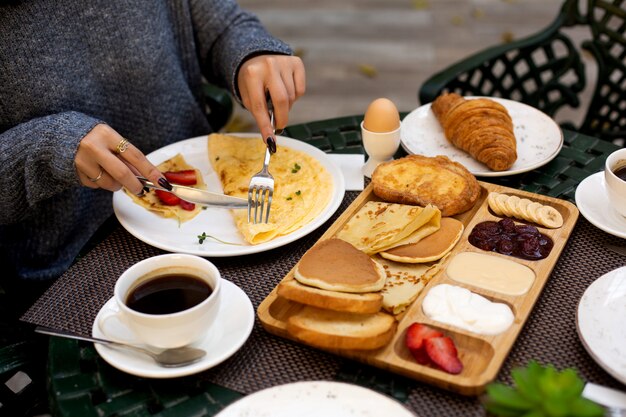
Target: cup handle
<point>115,314</point>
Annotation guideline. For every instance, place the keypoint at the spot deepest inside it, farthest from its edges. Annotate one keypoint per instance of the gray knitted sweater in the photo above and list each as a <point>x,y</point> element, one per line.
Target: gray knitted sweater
<point>68,65</point>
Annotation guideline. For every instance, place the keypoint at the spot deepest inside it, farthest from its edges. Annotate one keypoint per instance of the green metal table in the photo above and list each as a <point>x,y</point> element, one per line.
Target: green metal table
<point>80,383</point>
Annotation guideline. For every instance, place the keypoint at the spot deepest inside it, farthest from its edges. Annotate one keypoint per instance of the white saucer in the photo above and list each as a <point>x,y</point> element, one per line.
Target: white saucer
<point>233,327</point>
<point>316,398</point>
<point>593,203</point>
<point>600,322</point>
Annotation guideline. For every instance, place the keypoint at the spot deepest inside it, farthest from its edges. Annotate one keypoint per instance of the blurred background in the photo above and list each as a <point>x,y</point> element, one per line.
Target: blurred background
<point>357,50</point>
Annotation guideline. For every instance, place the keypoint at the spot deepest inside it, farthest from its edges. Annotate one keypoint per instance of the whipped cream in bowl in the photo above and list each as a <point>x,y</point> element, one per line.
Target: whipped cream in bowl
<point>460,307</point>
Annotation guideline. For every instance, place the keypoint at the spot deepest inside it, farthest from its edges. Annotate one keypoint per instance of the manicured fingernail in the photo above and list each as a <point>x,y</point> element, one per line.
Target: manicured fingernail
<point>146,190</point>
<point>165,184</point>
<point>141,193</point>
<point>271,144</point>
<point>279,131</point>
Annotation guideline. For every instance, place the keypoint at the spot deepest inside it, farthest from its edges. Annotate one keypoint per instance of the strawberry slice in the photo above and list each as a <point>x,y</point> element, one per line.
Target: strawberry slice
<point>166,198</point>
<point>417,333</point>
<point>185,177</point>
<point>186,205</point>
<point>443,353</point>
<point>415,336</point>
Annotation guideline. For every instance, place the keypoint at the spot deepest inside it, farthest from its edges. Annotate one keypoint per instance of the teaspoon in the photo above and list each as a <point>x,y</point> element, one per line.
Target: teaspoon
<point>169,358</point>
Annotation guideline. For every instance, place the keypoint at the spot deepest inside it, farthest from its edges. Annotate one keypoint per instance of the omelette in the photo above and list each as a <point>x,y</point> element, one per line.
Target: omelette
<point>151,202</point>
<point>302,186</point>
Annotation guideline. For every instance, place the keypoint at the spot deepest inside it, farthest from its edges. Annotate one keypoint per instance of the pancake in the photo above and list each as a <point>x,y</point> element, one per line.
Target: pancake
<point>151,202</point>
<point>379,226</point>
<point>302,186</point>
<point>432,247</point>
<point>336,265</point>
<point>405,282</point>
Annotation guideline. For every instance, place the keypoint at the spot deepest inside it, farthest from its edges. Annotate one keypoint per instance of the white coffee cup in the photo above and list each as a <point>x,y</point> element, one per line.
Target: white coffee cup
<point>380,147</point>
<point>163,330</point>
<point>616,187</point>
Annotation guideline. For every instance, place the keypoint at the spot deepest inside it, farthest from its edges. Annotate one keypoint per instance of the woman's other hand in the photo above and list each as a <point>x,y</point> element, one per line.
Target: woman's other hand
<point>103,160</point>
<point>282,76</point>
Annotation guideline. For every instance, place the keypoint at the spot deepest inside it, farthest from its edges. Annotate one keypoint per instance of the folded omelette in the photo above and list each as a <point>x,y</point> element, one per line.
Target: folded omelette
<point>302,186</point>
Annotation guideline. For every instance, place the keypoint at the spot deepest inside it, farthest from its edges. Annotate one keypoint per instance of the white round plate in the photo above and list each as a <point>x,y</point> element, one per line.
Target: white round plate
<point>600,322</point>
<point>593,203</point>
<point>232,328</point>
<point>313,399</point>
<point>169,235</point>
<point>539,138</point>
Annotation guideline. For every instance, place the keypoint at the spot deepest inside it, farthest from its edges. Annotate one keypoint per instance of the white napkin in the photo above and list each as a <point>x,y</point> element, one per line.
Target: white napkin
<point>350,166</point>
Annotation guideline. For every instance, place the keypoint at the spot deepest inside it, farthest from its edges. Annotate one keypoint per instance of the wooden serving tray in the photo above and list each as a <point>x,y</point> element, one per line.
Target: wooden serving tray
<point>482,356</point>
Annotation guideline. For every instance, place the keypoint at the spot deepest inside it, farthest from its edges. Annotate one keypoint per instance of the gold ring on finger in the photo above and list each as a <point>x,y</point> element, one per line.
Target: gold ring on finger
<point>96,178</point>
<point>122,146</point>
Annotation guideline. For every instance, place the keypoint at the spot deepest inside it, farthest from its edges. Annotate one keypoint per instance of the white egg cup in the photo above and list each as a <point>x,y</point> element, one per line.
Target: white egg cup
<point>380,147</point>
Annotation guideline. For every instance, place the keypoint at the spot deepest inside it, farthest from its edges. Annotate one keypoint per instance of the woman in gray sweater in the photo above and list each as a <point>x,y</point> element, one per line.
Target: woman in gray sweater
<point>77,77</point>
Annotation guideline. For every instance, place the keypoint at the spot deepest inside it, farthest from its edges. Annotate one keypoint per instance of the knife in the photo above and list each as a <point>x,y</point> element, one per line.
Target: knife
<point>617,249</point>
<point>611,398</point>
<point>197,196</point>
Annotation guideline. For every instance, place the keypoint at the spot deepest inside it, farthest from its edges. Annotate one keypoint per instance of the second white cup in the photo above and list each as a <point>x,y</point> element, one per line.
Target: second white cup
<point>616,186</point>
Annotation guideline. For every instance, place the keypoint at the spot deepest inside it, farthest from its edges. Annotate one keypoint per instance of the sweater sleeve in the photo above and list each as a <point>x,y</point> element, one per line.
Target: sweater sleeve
<point>37,161</point>
<point>226,36</point>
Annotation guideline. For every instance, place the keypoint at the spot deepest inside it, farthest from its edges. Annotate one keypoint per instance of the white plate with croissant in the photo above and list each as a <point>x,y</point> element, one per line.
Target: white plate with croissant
<point>534,138</point>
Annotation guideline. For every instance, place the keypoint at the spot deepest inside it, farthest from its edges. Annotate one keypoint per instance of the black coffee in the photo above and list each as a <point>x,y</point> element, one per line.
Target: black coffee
<point>168,294</point>
<point>621,173</point>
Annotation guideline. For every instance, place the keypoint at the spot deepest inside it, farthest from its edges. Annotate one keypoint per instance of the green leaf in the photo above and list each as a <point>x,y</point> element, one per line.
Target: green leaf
<point>582,407</point>
<point>527,380</point>
<point>507,396</point>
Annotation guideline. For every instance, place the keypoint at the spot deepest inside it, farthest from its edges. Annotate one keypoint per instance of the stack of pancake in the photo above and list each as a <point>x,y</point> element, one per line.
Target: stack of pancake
<point>354,285</point>
<point>481,127</point>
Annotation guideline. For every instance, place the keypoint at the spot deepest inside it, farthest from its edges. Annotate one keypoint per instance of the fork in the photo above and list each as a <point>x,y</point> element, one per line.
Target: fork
<point>261,188</point>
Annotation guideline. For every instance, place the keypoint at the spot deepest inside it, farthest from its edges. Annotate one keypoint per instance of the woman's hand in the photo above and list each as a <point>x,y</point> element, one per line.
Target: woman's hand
<point>104,161</point>
<point>282,76</point>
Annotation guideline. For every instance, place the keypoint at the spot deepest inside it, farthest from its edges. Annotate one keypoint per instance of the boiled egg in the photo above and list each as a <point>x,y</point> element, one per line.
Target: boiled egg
<point>381,116</point>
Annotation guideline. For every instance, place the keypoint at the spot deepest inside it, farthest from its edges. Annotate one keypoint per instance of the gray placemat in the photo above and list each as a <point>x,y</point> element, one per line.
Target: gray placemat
<point>266,360</point>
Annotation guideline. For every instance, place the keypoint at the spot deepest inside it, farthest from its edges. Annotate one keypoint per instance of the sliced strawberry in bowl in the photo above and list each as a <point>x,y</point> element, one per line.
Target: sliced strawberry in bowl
<point>186,205</point>
<point>443,353</point>
<point>184,177</point>
<point>166,198</point>
<point>417,333</point>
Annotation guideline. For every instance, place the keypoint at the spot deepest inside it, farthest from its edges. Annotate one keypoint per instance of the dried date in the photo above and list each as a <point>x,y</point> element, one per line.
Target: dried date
<point>508,238</point>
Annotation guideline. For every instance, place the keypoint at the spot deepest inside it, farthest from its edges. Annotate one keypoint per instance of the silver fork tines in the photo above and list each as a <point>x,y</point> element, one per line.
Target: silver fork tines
<point>260,193</point>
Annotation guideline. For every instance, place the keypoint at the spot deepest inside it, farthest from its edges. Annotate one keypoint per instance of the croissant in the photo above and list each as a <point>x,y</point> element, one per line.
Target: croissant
<point>481,127</point>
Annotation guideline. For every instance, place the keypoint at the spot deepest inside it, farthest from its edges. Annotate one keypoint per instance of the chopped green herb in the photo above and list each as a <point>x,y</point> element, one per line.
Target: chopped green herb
<point>295,168</point>
<point>298,192</point>
<point>204,236</point>
<point>217,158</point>
<point>289,198</point>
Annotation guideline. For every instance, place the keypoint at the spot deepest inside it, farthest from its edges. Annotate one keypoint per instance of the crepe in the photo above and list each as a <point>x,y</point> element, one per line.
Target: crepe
<point>380,226</point>
<point>151,202</point>
<point>405,282</point>
<point>302,186</point>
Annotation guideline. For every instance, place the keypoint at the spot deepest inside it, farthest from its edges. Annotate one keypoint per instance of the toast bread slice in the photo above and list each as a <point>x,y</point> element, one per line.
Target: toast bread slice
<point>329,329</point>
<point>363,303</point>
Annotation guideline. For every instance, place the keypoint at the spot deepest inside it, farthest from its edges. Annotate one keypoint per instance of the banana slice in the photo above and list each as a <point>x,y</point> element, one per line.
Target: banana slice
<point>550,217</point>
<point>532,210</point>
<point>522,206</point>
<point>492,204</point>
<point>501,202</point>
<point>511,204</point>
